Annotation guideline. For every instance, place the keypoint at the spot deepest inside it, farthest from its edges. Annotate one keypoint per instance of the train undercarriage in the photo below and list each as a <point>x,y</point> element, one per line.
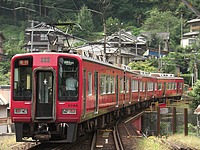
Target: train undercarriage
<point>68,132</point>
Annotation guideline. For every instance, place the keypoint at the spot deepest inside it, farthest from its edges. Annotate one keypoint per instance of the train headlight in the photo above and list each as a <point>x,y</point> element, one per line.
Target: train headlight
<point>69,111</point>
<point>20,111</point>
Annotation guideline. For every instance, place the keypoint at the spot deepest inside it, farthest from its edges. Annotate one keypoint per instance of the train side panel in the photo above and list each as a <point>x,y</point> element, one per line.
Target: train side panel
<point>102,93</point>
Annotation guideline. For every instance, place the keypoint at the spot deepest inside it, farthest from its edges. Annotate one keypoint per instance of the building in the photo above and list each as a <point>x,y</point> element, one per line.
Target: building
<point>120,48</point>
<point>189,38</point>
<point>43,37</point>
<point>5,109</point>
<point>160,51</point>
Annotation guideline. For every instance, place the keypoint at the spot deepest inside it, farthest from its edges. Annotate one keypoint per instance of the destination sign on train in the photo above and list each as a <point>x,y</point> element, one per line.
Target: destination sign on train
<point>23,62</point>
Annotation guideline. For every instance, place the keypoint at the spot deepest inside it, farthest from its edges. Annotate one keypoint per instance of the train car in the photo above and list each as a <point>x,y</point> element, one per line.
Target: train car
<point>42,107</point>
<point>56,97</point>
<point>132,81</point>
<point>39,108</point>
<point>168,86</point>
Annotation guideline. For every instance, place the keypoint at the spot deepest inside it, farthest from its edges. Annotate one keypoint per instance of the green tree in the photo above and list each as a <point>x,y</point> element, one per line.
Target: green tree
<point>144,66</point>
<point>4,77</point>
<point>112,25</point>
<point>12,45</point>
<point>84,19</point>
<point>173,60</point>
<point>195,93</point>
<point>166,21</point>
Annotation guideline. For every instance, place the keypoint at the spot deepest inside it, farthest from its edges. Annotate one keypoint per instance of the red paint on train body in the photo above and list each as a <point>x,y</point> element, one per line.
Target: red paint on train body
<point>43,108</point>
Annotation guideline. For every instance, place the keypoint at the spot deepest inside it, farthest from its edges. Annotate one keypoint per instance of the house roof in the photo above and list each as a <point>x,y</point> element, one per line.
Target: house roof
<point>193,20</point>
<point>43,27</point>
<point>3,101</point>
<point>4,95</point>
<point>126,37</point>
<point>191,33</point>
<point>162,35</point>
<point>99,49</point>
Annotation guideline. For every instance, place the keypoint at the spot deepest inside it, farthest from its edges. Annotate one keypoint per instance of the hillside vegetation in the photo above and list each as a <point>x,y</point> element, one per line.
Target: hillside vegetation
<point>93,16</point>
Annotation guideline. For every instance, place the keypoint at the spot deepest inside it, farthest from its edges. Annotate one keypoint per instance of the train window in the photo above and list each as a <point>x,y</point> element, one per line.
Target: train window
<point>141,86</point>
<point>121,85</point>
<point>22,79</point>
<point>134,86</point>
<point>159,86</point>
<point>103,84</point>
<point>68,79</point>
<point>156,86</point>
<point>170,86</point>
<point>167,86</point>
<point>180,85</point>
<point>108,85</point>
<point>173,87</point>
<point>89,83</point>
<point>150,86</point>
<point>127,85</point>
<point>175,84</point>
<point>112,82</point>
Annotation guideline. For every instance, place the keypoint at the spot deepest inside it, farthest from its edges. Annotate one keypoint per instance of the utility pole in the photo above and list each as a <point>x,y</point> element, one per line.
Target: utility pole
<point>195,70</point>
<point>105,41</point>
<point>119,48</point>
<point>159,57</point>
<point>32,26</point>
<point>181,29</point>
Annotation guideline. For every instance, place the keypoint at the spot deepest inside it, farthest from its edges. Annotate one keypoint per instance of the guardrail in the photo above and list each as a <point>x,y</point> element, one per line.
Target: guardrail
<point>5,121</point>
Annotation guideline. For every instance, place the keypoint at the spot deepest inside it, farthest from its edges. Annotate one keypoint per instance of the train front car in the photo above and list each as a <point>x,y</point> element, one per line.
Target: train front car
<point>45,105</point>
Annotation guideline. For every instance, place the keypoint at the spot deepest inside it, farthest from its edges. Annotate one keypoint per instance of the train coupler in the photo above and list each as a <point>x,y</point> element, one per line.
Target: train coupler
<point>42,136</point>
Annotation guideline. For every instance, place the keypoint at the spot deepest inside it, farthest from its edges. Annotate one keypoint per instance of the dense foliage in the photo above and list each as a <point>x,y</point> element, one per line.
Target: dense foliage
<point>93,16</point>
<point>196,94</point>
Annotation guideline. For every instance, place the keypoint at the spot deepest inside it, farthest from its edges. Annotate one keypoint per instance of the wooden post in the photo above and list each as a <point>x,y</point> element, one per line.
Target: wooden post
<point>158,121</point>
<point>185,122</point>
<point>174,120</point>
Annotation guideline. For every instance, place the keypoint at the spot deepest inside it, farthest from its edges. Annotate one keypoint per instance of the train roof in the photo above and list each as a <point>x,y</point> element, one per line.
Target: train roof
<point>93,58</point>
<point>157,75</point>
<point>100,60</point>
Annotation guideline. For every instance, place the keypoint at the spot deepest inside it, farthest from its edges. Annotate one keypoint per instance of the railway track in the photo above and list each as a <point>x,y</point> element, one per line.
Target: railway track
<point>81,143</point>
<point>128,134</point>
<point>121,136</point>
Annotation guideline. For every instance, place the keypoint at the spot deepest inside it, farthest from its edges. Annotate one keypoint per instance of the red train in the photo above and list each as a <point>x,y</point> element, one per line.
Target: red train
<point>44,108</point>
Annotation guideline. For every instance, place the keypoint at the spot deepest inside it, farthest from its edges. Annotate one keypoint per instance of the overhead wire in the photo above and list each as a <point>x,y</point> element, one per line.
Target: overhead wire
<point>63,9</point>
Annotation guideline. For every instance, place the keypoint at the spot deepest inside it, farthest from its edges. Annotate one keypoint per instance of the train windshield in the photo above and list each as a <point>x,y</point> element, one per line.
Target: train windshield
<point>22,79</point>
<point>68,79</point>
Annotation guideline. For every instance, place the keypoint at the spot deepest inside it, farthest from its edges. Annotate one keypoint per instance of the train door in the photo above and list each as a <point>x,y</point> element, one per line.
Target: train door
<point>44,94</point>
<point>84,93</point>
<point>177,87</point>
<point>164,89</point>
<point>154,89</point>
<point>146,89</point>
<point>117,91</point>
<point>96,92</point>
